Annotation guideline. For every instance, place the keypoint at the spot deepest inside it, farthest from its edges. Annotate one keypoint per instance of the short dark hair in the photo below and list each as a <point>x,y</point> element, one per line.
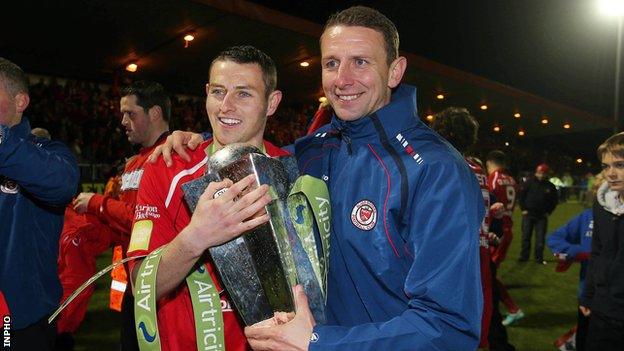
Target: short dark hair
<point>614,145</point>
<point>458,126</point>
<point>497,157</point>
<point>249,54</point>
<point>362,16</point>
<point>13,78</point>
<point>149,94</point>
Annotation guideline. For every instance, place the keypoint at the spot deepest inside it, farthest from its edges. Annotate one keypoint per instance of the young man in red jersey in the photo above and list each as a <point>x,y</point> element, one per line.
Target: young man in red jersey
<point>241,94</point>
<point>505,188</point>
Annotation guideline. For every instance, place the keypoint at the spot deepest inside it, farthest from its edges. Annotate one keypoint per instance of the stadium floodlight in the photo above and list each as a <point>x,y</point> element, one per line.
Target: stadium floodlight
<point>132,67</point>
<point>613,8</point>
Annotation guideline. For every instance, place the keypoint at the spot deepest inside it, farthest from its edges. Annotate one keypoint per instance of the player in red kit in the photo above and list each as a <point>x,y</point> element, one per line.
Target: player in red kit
<point>505,188</point>
<point>241,94</point>
<point>145,109</point>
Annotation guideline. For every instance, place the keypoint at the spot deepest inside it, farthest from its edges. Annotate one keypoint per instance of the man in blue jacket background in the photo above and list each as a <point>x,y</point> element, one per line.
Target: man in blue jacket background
<point>38,178</point>
<point>406,210</point>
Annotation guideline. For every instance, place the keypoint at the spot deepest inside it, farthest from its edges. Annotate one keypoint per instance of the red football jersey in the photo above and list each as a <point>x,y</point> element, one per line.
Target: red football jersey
<point>118,214</point>
<point>484,253</point>
<point>504,188</point>
<point>161,207</point>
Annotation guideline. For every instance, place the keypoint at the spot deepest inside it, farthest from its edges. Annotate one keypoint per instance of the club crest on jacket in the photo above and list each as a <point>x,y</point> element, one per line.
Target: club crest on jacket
<point>364,215</point>
<point>8,186</point>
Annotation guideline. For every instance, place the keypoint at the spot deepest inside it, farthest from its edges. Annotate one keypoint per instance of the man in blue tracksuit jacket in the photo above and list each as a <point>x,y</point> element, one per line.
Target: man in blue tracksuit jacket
<point>406,210</point>
<point>38,178</point>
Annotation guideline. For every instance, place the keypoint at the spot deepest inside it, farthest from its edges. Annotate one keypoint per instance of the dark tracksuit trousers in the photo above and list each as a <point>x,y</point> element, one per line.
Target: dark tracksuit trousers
<point>540,224</point>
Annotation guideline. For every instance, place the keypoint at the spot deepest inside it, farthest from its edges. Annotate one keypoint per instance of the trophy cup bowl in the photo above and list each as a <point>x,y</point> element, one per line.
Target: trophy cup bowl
<point>259,268</point>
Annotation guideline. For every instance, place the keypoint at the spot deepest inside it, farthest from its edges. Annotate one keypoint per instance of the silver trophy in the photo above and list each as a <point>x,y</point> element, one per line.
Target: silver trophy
<point>259,268</point>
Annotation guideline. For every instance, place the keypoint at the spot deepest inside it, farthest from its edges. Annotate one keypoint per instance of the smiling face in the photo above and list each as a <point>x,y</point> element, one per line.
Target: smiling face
<point>613,171</point>
<point>237,103</point>
<point>356,77</point>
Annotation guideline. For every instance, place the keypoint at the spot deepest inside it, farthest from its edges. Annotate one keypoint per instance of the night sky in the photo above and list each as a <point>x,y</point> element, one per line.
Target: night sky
<point>563,50</point>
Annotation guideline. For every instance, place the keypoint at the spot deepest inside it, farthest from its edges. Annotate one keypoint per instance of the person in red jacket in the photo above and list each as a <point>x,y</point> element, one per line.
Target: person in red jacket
<point>83,238</point>
<point>241,94</point>
<point>146,109</point>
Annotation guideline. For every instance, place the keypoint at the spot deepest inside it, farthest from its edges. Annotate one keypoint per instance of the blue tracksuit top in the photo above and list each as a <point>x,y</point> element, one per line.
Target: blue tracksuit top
<point>406,211</point>
<point>573,238</point>
<point>38,178</point>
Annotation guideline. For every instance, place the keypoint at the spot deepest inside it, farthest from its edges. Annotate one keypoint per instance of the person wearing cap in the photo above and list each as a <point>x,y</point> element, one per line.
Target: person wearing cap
<point>538,198</point>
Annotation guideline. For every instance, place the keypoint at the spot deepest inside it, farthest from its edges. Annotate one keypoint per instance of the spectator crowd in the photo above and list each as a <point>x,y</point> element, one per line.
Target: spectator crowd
<point>85,116</point>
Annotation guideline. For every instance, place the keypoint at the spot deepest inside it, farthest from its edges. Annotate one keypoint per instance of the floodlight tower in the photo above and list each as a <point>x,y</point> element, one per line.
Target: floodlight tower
<point>615,8</point>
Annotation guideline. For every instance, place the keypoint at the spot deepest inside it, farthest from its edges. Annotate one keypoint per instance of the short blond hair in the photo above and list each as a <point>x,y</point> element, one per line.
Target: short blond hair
<point>598,180</point>
<point>613,145</point>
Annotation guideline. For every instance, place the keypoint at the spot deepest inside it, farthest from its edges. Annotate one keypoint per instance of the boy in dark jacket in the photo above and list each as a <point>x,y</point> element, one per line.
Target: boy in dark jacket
<point>603,298</point>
